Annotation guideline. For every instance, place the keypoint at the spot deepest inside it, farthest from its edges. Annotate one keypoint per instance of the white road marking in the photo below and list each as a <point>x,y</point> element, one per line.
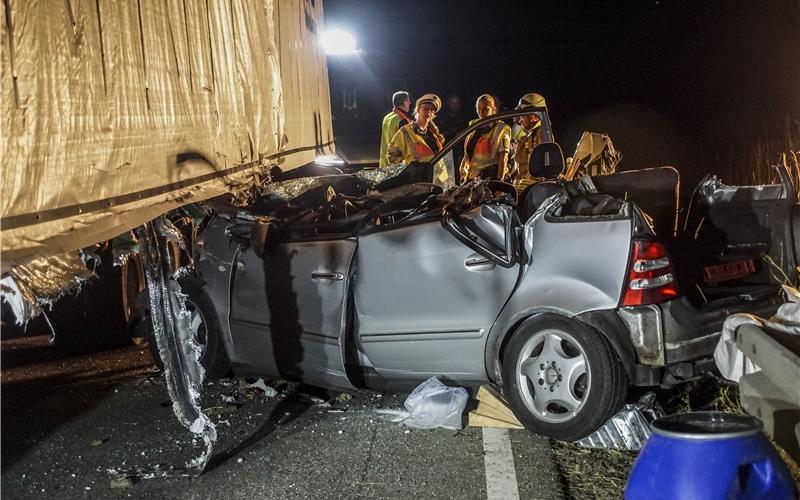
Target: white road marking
<point>498,459</point>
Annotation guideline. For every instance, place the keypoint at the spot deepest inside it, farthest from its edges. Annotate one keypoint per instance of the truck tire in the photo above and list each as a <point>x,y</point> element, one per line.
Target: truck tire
<point>205,328</point>
<point>562,378</point>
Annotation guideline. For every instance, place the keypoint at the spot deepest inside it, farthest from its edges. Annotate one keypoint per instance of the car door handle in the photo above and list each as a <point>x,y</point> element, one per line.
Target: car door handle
<point>477,262</point>
<point>327,276</point>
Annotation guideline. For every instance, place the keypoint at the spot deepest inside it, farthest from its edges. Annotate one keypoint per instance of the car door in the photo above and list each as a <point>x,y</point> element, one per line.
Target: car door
<point>425,300</point>
<point>287,312</point>
<point>745,235</point>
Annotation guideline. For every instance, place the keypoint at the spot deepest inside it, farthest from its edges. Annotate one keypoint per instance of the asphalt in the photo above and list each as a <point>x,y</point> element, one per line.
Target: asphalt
<point>66,419</point>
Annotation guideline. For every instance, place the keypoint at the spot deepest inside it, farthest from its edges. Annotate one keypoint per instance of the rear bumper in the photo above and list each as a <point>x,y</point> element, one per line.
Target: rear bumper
<point>676,331</point>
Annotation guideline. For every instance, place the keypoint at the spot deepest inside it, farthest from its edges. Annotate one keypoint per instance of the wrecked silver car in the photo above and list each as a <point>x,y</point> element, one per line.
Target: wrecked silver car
<point>564,295</point>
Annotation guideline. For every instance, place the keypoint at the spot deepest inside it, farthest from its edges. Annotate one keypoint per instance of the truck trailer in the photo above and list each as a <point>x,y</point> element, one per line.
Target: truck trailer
<point>117,112</point>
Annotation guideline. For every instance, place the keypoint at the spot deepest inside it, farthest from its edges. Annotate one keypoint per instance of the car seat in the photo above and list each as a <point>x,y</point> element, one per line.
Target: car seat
<point>547,163</point>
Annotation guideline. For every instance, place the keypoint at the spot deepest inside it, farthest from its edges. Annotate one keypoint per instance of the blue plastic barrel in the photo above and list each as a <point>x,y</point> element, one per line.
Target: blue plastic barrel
<point>709,455</point>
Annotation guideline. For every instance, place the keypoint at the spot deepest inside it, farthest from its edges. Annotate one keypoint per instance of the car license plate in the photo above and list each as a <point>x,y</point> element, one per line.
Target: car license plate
<point>729,271</point>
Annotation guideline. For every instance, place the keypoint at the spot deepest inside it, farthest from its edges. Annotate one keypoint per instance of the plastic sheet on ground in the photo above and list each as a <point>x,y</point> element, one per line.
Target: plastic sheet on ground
<point>432,404</point>
<point>629,429</point>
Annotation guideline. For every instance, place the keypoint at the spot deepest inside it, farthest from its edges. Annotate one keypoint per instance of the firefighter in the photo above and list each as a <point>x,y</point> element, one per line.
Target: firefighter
<point>533,136</point>
<point>420,140</point>
<point>486,149</point>
<point>393,120</point>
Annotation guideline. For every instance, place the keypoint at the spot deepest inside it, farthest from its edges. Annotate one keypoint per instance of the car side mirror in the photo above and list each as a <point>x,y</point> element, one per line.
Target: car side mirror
<point>547,160</point>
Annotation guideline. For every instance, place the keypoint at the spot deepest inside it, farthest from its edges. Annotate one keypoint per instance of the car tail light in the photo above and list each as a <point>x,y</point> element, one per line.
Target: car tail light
<point>651,278</point>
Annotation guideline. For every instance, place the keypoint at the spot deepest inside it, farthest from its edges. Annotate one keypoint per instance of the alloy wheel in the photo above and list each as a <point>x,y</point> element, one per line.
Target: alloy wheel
<point>553,376</point>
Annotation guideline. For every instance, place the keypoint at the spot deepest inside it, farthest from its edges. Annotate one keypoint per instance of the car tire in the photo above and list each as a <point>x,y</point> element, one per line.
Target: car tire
<point>562,378</point>
<point>206,328</point>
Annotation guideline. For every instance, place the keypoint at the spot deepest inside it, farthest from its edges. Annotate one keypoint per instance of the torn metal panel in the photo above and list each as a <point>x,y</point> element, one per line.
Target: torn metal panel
<point>177,347</point>
<point>27,288</point>
<point>629,429</point>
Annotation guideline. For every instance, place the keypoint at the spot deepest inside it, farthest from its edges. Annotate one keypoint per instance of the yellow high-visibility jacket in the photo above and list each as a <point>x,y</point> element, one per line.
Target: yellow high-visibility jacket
<point>487,147</point>
<point>407,146</point>
<point>391,123</point>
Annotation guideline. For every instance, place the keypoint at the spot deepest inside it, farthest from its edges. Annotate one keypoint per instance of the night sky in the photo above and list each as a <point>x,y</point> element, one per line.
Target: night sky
<point>670,81</point>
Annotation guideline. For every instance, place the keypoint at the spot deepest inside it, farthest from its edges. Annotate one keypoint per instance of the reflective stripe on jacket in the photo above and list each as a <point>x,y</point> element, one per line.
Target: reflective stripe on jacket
<point>407,146</point>
<point>391,123</point>
<point>487,146</point>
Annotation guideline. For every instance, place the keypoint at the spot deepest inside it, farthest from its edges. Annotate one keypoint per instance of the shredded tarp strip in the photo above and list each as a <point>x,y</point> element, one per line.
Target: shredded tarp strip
<point>177,347</point>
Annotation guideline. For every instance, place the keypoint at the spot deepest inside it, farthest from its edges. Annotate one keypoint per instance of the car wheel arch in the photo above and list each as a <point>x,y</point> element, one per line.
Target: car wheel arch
<point>497,342</point>
<point>597,321</point>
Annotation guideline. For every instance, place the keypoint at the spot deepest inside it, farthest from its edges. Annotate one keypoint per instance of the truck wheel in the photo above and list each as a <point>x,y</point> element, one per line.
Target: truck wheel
<point>205,328</point>
<point>562,379</point>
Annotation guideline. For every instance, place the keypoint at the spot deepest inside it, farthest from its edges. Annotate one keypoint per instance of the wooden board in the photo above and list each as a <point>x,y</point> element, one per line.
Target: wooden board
<point>492,411</point>
<point>476,420</point>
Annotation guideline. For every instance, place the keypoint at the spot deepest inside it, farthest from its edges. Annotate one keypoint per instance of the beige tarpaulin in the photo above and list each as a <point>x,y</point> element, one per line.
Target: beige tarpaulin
<point>116,112</point>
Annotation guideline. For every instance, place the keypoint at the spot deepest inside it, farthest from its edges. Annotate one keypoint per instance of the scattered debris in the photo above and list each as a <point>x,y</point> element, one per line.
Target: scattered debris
<point>259,384</point>
<point>432,404</point>
<point>121,483</point>
<point>629,428</point>
<point>232,400</point>
<point>317,400</point>
<point>100,442</point>
<point>341,398</point>
<point>221,410</point>
<point>152,380</point>
<point>492,411</point>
